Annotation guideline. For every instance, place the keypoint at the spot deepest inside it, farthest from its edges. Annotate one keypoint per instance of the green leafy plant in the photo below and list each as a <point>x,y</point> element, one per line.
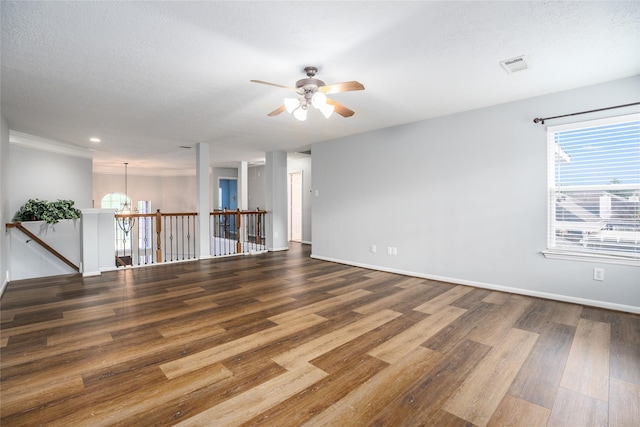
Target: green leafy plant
<point>50,212</point>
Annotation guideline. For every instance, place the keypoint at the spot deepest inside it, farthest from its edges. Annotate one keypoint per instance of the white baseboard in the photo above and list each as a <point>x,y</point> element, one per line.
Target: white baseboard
<point>519,291</point>
<point>3,287</point>
<point>286,248</point>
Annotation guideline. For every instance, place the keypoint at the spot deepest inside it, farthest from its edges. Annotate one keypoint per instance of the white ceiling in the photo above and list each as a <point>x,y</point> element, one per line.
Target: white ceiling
<point>150,77</point>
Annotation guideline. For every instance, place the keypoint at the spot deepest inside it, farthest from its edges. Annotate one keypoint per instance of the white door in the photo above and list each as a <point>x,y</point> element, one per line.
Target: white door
<point>296,207</point>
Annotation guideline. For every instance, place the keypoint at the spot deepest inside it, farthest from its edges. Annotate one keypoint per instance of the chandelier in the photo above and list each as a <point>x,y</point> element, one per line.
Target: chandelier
<point>126,222</point>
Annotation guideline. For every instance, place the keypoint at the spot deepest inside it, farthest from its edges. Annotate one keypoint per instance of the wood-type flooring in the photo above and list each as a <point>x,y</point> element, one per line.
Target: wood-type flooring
<point>281,339</point>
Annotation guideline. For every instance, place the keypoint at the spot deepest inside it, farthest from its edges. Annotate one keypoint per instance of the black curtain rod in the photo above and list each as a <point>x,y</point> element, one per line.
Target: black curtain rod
<point>541,120</point>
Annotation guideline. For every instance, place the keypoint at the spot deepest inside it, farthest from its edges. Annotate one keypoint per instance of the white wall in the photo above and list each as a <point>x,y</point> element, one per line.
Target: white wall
<point>463,199</point>
<point>304,165</point>
<point>40,174</point>
<point>256,188</point>
<point>167,193</point>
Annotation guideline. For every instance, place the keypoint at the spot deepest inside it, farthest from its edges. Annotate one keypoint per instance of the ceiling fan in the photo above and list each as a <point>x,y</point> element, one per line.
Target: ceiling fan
<point>313,92</point>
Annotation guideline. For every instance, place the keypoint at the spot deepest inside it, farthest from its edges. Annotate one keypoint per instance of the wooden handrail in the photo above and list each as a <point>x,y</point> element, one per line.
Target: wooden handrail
<point>228,212</point>
<point>153,215</point>
<point>42,243</point>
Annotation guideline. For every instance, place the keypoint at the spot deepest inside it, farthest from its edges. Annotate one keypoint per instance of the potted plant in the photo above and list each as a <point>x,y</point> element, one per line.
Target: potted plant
<point>49,212</point>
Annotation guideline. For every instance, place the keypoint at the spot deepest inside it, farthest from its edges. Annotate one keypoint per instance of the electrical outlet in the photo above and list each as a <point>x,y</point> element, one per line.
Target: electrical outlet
<point>598,274</point>
<point>389,250</point>
<point>373,249</point>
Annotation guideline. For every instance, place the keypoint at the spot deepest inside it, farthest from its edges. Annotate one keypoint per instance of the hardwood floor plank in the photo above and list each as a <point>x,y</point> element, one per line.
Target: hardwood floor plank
<point>576,409</point>
<point>371,397</point>
<point>481,393</point>
<point>624,404</point>
<point>587,369</point>
<point>391,302</point>
<point>301,407</point>
<point>216,354</point>
<point>539,378</point>
<point>130,404</point>
<point>625,348</point>
<point>452,335</point>
<point>542,313</point>
<point>444,299</point>
<point>249,404</point>
<point>333,360</point>
<point>54,348</point>
<point>293,315</point>
<point>515,412</point>
<point>417,403</point>
<point>22,396</point>
<point>395,348</point>
<point>502,319</point>
<point>310,350</point>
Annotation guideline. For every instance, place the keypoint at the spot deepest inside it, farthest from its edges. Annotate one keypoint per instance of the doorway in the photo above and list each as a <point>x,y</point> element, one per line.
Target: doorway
<point>295,207</point>
<point>228,193</point>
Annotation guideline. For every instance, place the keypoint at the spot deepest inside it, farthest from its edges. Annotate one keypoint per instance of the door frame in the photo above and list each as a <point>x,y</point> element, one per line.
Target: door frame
<point>290,206</point>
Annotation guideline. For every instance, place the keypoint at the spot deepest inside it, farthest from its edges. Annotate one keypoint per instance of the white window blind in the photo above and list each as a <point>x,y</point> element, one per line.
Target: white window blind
<point>594,188</point>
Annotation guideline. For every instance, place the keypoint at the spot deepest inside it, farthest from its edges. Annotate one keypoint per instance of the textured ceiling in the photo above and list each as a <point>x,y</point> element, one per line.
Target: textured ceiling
<point>150,77</point>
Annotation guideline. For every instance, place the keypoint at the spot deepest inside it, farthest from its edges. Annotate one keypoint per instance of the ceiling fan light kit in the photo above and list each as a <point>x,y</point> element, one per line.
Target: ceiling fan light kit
<point>313,92</point>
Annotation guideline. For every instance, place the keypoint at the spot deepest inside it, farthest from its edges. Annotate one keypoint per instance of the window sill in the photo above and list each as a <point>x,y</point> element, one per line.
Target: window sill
<point>587,257</point>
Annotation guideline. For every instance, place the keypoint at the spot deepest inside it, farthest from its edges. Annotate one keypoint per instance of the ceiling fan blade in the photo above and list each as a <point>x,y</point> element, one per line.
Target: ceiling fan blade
<point>341,87</point>
<point>277,111</point>
<point>275,84</point>
<point>340,109</point>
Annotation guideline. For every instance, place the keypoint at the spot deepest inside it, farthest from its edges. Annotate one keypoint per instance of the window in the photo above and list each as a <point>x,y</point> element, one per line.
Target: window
<point>594,190</point>
<point>116,201</point>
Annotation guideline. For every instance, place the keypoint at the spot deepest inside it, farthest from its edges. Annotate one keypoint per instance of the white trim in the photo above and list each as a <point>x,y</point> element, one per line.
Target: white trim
<point>49,145</point>
<point>286,248</point>
<point>589,257</point>
<point>544,295</point>
<point>5,283</point>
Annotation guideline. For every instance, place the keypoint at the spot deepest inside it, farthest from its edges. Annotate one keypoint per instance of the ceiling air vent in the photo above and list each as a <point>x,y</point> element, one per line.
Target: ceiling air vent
<point>514,64</point>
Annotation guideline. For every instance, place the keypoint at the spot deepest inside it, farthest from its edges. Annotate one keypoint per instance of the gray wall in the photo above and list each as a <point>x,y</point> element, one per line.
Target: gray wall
<point>38,174</point>
<point>5,215</point>
<point>463,199</point>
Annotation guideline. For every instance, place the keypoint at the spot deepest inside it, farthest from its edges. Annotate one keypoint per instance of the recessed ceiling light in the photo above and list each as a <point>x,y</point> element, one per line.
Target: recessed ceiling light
<point>94,139</point>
